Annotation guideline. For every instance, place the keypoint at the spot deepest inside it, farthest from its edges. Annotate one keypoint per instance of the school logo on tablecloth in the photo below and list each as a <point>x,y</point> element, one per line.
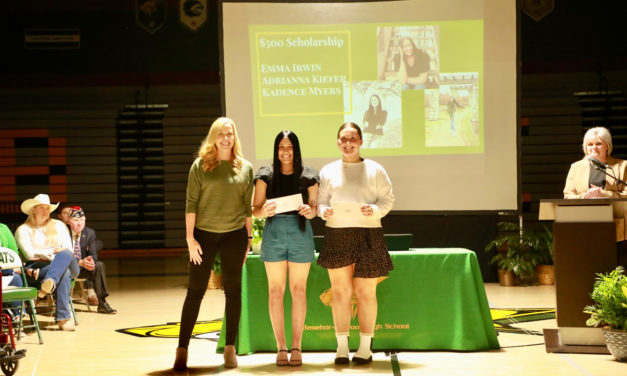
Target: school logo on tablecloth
<point>150,14</point>
<point>193,13</point>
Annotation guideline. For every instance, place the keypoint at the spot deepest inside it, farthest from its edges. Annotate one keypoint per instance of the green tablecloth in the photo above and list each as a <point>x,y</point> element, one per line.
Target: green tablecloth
<point>434,299</point>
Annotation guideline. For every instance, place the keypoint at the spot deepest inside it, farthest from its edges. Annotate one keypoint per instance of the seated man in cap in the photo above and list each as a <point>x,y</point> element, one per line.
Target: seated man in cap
<point>86,252</point>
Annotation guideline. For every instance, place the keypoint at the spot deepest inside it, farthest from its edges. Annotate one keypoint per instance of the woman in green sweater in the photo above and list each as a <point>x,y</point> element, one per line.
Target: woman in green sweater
<point>217,221</point>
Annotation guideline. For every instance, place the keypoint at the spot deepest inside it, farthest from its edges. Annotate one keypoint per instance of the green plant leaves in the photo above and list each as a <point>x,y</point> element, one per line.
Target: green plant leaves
<point>610,297</point>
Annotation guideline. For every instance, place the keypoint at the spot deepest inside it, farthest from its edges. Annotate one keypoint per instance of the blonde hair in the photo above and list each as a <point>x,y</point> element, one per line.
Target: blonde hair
<point>51,229</point>
<point>209,153</point>
<point>600,132</point>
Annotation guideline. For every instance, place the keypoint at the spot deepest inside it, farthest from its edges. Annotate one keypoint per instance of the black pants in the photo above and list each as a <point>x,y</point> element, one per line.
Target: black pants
<point>232,248</point>
<point>96,279</point>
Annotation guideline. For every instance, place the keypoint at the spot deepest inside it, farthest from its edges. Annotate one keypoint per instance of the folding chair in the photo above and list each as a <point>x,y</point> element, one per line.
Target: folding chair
<point>50,298</point>
<point>50,304</point>
<point>81,289</point>
<point>24,295</point>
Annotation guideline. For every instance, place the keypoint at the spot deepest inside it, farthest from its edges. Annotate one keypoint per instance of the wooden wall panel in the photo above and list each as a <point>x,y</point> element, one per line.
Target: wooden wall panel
<point>84,120</point>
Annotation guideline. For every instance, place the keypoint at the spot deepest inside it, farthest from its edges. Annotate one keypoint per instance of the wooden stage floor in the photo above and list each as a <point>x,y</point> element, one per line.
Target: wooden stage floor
<point>96,348</point>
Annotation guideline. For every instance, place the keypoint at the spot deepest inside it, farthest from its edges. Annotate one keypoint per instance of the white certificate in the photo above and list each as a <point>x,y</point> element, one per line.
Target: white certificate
<point>288,203</point>
<point>347,210</point>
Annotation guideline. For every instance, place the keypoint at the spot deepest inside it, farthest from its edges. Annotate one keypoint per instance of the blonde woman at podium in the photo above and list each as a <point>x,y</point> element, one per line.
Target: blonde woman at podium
<point>355,193</point>
<point>597,175</point>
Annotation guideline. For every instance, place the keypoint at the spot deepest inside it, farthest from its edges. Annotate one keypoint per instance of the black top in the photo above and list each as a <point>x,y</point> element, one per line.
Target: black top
<point>375,120</point>
<point>421,65</point>
<point>307,178</point>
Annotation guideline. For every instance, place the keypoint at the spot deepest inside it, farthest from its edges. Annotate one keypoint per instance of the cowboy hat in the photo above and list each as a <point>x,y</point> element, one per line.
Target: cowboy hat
<point>40,199</point>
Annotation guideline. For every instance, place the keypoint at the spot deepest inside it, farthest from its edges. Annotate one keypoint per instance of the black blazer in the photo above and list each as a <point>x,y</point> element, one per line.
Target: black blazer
<point>88,243</point>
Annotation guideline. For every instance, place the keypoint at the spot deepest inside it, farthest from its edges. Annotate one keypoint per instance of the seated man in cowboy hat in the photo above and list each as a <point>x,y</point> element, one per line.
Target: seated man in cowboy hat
<point>86,252</point>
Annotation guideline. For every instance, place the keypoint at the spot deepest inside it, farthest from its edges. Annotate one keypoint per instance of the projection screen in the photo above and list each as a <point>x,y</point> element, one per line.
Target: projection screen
<point>432,83</point>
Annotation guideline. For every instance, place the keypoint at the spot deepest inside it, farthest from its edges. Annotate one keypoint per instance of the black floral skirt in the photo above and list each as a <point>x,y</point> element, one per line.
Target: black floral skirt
<point>364,247</point>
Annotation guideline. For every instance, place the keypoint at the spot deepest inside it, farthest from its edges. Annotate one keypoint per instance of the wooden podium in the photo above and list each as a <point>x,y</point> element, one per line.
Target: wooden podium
<point>585,232</point>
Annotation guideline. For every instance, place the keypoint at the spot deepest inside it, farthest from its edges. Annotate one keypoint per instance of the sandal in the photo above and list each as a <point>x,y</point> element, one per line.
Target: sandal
<point>33,273</point>
<point>281,358</point>
<point>296,360</point>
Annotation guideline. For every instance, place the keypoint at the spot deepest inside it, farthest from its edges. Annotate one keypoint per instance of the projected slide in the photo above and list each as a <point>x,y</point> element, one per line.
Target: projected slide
<point>414,88</point>
<point>432,83</point>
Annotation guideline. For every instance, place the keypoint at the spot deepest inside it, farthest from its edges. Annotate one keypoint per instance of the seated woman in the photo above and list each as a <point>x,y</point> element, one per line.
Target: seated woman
<point>414,65</point>
<point>47,243</point>
<point>586,181</point>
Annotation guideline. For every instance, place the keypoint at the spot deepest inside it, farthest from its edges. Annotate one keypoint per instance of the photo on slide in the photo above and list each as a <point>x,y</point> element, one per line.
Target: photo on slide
<point>452,111</point>
<point>376,108</point>
<point>410,55</point>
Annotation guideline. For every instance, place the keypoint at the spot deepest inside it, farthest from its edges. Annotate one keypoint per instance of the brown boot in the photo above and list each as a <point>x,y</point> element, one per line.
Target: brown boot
<point>180,363</point>
<point>230,360</point>
<point>67,325</point>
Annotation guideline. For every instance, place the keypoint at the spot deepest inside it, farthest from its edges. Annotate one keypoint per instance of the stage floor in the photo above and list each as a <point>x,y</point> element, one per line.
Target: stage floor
<point>148,307</point>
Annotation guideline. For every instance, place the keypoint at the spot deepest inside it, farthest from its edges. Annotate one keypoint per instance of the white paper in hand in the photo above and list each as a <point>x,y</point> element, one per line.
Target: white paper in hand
<point>288,203</point>
<point>347,210</point>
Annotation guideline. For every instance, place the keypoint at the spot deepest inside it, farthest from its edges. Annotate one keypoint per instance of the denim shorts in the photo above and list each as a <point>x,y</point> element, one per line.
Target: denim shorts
<point>283,240</point>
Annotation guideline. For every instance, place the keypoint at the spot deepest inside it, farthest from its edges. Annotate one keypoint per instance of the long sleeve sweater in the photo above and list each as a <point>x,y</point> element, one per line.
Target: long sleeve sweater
<point>365,183</point>
<point>32,241</point>
<point>220,198</point>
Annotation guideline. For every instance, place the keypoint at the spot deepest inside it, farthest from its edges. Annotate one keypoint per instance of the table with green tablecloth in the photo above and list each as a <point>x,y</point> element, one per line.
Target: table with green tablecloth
<point>434,299</point>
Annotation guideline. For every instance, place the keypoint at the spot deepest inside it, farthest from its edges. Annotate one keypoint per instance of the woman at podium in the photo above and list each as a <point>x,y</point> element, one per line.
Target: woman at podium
<point>597,175</point>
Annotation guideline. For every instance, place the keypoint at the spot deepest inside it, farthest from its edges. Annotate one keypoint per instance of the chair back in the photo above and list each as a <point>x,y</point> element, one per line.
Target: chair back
<point>9,259</point>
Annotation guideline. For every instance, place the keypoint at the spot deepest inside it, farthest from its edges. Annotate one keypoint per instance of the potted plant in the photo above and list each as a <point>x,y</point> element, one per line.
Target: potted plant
<point>258,224</point>
<point>513,257</point>
<point>541,246</point>
<point>609,310</point>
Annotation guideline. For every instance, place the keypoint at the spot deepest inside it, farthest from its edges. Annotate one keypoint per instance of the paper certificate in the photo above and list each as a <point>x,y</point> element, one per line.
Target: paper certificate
<point>347,210</point>
<point>288,203</point>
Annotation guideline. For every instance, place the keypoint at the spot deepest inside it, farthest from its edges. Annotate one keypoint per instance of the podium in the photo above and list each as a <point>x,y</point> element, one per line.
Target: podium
<point>585,232</point>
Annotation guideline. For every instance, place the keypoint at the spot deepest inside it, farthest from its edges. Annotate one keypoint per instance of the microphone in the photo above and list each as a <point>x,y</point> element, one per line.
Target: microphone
<point>597,162</point>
